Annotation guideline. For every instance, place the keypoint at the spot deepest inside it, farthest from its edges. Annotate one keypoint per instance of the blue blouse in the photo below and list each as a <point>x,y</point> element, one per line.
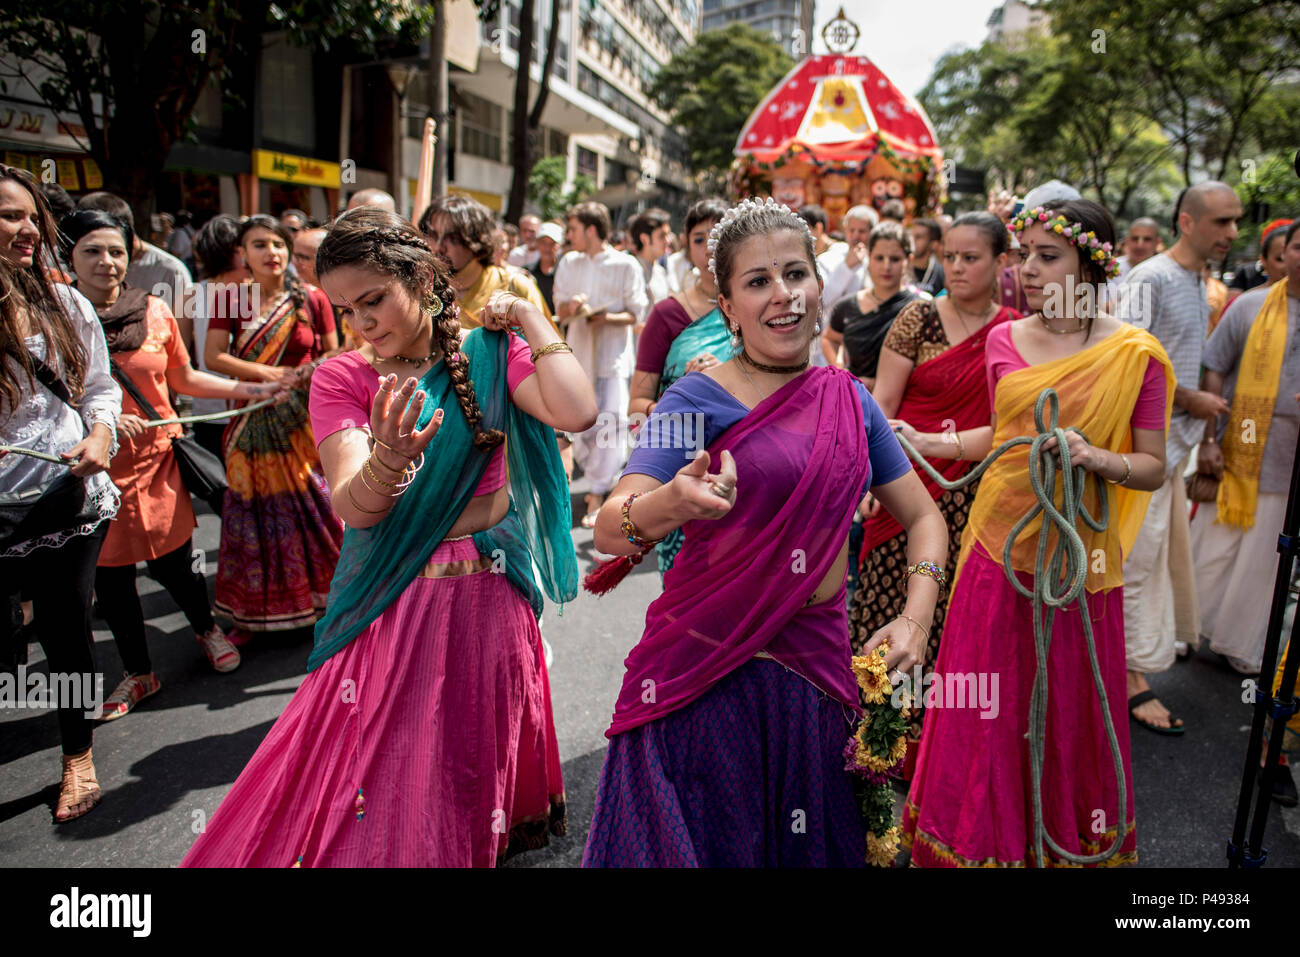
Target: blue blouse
<point>696,404</point>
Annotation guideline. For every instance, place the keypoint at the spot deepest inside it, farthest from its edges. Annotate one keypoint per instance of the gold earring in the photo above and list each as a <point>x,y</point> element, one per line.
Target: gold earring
<point>435,306</point>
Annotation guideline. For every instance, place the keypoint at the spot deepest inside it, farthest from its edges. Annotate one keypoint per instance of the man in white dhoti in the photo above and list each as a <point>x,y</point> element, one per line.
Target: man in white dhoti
<point>600,295</point>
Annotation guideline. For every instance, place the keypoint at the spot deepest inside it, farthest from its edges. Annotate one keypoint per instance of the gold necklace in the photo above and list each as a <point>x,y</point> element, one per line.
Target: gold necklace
<point>1060,332</point>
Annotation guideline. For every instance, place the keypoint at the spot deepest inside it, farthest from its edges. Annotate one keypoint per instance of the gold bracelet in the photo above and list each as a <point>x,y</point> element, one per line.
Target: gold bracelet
<point>400,471</point>
<point>1128,471</point>
<point>371,473</point>
<point>961,446</point>
<point>553,347</point>
<point>366,485</point>
<point>362,508</point>
<point>918,625</point>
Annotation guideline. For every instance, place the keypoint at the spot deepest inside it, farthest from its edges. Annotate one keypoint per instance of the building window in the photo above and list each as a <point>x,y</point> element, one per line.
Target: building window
<point>480,124</point>
<point>587,162</point>
<point>288,100</point>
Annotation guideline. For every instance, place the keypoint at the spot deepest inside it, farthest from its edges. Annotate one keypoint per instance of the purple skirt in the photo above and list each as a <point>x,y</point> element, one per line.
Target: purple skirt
<point>749,775</point>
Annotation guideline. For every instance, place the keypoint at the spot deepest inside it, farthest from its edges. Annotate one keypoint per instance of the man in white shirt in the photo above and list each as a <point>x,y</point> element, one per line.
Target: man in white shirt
<point>848,274</point>
<point>649,232</point>
<point>525,255</point>
<point>600,296</point>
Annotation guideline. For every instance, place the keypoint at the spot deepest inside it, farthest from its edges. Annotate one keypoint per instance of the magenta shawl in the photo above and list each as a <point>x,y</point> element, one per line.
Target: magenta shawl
<point>740,583</point>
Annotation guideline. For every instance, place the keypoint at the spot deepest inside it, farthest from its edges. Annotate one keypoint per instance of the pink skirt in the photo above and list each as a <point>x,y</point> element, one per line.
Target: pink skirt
<point>428,741</point>
<point>971,801</point>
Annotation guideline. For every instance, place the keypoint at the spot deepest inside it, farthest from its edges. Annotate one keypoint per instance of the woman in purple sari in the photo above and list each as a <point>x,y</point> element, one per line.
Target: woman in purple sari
<point>726,747</point>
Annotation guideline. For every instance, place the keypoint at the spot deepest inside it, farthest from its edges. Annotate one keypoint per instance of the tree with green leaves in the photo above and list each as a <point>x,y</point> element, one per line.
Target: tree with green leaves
<point>711,88</point>
<point>132,70</point>
<point>546,187</point>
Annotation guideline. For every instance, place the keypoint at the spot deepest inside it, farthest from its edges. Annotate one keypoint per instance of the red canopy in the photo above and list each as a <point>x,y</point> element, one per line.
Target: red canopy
<point>837,107</point>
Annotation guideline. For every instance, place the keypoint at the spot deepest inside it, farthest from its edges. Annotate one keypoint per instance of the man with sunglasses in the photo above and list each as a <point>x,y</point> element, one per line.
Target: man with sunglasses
<point>459,231</point>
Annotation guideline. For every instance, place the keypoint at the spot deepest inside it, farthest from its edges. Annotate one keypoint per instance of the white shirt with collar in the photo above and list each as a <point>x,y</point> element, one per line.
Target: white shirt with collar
<point>613,281</point>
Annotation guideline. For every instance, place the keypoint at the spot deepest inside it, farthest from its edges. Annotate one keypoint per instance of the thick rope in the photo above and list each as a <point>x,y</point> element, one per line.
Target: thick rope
<point>183,420</point>
<point>1056,583</point>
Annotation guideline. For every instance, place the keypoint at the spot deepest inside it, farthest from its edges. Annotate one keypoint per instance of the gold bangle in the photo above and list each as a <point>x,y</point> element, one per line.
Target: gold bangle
<point>961,446</point>
<point>366,485</point>
<point>371,473</point>
<point>398,471</point>
<point>362,508</point>
<point>553,347</point>
<point>918,625</point>
<point>1128,471</point>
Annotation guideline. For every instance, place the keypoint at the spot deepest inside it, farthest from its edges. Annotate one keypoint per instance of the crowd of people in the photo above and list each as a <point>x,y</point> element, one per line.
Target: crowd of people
<point>403,406</point>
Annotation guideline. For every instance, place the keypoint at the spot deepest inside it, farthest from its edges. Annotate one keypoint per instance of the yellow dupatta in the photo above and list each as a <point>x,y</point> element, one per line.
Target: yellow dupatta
<point>493,279</point>
<point>1098,388</point>
<point>1260,371</point>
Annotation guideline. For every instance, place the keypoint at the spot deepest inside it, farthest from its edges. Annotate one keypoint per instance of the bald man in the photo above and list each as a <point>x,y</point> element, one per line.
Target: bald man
<point>373,197</point>
<point>1166,295</point>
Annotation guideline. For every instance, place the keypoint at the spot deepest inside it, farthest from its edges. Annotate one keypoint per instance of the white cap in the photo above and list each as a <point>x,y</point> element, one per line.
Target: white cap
<point>552,232</point>
<point>1053,191</point>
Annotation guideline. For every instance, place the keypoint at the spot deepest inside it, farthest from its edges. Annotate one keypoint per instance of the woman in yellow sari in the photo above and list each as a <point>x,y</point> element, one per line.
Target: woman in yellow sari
<point>279,535</point>
<point>972,801</point>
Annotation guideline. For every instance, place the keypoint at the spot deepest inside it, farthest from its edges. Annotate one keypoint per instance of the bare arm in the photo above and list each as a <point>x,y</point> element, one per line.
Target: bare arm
<point>216,358</point>
<point>186,380</point>
<point>892,372</point>
<point>645,386</point>
<point>831,342</point>
<point>559,392</point>
<point>662,508</point>
<point>907,500</point>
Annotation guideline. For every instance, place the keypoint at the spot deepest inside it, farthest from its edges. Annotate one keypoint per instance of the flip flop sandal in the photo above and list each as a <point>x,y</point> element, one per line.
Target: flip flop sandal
<point>1142,697</point>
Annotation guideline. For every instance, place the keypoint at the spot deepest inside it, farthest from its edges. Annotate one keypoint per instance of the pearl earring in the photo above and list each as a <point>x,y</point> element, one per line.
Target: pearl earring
<point>735,339</point>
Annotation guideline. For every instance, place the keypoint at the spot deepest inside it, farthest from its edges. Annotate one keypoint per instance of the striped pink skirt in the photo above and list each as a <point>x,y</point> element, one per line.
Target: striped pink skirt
<point>426,742</point>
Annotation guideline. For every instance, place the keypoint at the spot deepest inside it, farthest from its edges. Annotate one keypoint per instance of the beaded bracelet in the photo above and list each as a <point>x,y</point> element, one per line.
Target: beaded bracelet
<point>629,529</point>
<point>553,347</point>
<point>930,570</point>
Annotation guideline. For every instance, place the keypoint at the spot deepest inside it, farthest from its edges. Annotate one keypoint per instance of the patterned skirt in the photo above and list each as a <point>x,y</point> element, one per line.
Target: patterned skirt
<point>279,535</point>
<point>881,593</point>
<point>751,774</point>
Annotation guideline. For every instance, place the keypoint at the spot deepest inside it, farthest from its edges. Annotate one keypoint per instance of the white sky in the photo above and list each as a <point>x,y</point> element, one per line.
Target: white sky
<point>905,39</point>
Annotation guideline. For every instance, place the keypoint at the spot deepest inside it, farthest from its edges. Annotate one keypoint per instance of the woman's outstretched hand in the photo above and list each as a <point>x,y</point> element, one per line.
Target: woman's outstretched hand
<point>702,495</point>
<point>393,415</point>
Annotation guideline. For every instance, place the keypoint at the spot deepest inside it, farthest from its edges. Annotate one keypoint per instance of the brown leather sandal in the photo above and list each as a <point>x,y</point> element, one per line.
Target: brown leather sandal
<point>79,787</point>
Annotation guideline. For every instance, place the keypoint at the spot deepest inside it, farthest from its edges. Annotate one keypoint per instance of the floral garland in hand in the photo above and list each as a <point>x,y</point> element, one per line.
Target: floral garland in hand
<point>876,752</point>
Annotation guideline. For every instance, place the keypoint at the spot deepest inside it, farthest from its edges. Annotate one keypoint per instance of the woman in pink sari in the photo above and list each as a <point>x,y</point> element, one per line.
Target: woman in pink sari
<point>726,747</point>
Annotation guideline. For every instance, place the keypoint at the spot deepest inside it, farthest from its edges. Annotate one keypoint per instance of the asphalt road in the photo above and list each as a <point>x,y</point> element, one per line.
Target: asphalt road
<point>166,766</point>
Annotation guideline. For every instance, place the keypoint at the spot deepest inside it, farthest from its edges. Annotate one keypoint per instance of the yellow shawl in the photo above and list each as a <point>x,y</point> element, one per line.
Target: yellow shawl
<point>1098,388</point>
<point>491,279</point>
<point>1259,372</point>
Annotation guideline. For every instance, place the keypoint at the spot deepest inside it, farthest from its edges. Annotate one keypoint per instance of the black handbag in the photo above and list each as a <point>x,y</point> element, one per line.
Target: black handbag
<point>57,507</point>
<point>202,472</point>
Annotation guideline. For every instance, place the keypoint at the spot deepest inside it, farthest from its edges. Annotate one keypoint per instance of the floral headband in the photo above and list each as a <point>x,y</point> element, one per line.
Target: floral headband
<point>744,207</point>
<point>1099,252</point>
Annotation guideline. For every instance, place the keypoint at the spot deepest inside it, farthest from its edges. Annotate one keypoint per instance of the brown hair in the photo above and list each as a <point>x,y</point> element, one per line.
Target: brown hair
<point>893,232</point>
<point>470,218</point>
<point>756,219</point>
<point>591,214</point>
<point>32,291</point>
<point>374,237</point>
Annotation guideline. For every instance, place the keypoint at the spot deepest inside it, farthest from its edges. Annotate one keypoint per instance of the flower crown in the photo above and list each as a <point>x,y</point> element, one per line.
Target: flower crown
<point>1099,252</point>
<point>744,208</point>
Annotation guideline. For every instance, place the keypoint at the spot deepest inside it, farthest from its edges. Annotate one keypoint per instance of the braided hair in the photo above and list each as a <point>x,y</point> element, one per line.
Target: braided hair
<point>374,237</point>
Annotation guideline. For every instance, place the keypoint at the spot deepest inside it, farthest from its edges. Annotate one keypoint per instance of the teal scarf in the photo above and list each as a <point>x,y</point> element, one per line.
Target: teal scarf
<point>377,564</point>
<point>706,334</point>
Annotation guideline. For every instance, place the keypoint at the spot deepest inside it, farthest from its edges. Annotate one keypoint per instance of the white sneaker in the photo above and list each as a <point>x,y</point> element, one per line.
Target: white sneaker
<point>1182,649</point>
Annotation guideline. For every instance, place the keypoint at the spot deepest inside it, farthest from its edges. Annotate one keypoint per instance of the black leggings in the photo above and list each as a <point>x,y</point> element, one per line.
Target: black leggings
<point>59,581</point>
<point>120,602</point>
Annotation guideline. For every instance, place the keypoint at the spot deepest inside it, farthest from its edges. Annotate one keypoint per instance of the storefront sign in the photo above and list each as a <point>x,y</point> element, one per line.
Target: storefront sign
<point>287,168</point>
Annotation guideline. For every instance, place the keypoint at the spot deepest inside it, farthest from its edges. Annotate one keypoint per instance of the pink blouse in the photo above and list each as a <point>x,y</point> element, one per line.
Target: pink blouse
<point>1002,357</point>
<point>344,387</point>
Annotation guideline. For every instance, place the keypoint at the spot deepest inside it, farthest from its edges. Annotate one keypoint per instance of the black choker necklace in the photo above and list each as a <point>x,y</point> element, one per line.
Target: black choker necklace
<point>778,370</point>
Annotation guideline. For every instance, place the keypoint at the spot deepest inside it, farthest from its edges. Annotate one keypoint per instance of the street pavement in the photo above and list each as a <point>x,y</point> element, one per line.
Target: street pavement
<point>166,766</point>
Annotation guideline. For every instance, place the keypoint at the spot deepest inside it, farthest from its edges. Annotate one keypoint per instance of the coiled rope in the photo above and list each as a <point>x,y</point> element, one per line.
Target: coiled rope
<point>1057,582</point>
